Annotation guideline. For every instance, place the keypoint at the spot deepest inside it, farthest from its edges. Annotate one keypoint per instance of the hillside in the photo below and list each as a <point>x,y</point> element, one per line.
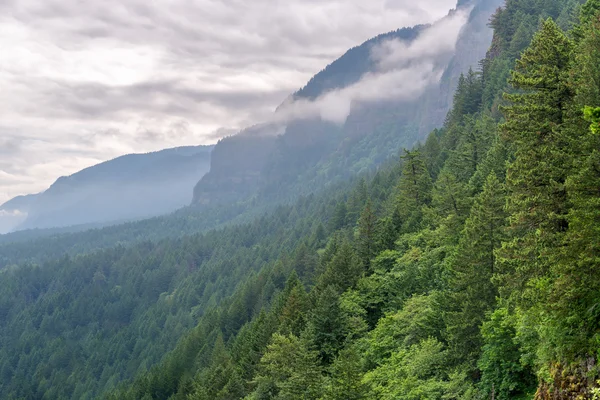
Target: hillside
<point>310,152</point>
<point>465,267</point>
<point>129,187</point>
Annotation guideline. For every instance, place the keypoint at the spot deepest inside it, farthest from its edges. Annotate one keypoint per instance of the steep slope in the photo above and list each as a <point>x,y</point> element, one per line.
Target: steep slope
<point>313,151</point>
<point>374,291</point>
<point>129,187</point>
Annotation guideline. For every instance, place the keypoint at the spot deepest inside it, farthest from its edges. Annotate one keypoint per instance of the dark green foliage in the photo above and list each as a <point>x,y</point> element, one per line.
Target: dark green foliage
<point>535,179</point>
<point>473,267</point>
<point>468,269</point>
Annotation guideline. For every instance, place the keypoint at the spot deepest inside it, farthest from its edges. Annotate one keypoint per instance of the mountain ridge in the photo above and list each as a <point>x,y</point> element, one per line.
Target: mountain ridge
<point>313,152</point>
<point>128,187</point>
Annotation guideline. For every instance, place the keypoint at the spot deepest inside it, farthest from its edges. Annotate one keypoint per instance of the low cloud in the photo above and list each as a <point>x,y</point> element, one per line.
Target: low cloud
<point>404,71</point>
<point>83,82</point>
<point>12,213</point>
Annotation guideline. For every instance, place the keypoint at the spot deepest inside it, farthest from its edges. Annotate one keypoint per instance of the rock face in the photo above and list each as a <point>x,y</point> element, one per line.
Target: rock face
<point>275,163</point>
<point>129,187</point>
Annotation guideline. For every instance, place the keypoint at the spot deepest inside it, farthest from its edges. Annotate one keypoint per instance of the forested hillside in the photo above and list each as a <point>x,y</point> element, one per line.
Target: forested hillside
<point>475,278</point>
<point>466,267</point>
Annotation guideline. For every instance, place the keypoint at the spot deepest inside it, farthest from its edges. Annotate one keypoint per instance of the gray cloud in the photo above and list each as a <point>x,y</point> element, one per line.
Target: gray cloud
<point>87,81</point>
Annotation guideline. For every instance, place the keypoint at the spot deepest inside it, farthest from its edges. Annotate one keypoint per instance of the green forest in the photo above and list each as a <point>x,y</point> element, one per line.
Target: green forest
<point>467,267</point>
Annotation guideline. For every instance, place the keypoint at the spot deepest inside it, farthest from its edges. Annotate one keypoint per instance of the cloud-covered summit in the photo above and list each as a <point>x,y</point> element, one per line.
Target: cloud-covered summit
<point>87,81</point>
<point>404,69</point>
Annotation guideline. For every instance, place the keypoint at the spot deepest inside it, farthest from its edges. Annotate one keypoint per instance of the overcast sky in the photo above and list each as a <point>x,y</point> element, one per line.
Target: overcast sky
<point>84,82</point>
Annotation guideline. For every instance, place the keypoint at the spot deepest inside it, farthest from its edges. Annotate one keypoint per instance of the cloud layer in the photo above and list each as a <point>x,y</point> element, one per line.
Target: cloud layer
<point>404,71</point>
<point>83,82</point>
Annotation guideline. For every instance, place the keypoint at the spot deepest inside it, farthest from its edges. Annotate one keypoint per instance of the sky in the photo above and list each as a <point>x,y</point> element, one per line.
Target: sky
<point>84,82</point>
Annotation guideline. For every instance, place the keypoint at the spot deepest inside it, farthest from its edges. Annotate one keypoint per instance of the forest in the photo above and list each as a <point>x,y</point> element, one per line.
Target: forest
<point>467,267</point>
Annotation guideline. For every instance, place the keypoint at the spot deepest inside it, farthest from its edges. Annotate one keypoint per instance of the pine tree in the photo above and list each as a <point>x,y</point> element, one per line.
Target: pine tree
<point>345,380</point>
<point>415,190</point>
<point>366,235</point>
<point>340,217</point>
<point>288,370</point>
<point>451,203</point>
<point>343,270</point>
<point>432,153</point>
<point>535,179</point>
<point>292,317</point>
<point>473,266</point>
<point>327,325</point>
<point>222,380</point>
<point>575,294</point>
<point>358,199</point>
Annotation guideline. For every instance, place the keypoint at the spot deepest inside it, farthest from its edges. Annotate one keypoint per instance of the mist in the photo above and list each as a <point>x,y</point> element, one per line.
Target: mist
<point>404,70</point>
<point>130,187</point>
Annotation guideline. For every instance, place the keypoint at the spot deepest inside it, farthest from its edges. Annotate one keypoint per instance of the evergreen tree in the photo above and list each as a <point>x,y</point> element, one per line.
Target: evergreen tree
<point>366,236</point>
<point>340,217</point>
<point>343,270</point>
<point>415,190</point>
<point>473,266</point>
<point>288,370</point>
<point>345,380</point>
<point>327,325</point>
<point>292,317</point>
<point>572,307</point>
<point>535,179</point>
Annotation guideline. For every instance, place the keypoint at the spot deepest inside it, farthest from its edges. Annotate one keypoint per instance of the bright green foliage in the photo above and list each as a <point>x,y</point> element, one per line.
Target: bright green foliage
<point>345,380</point>
<point>572,328</point>
<point>411,374</point>
<point>419,319</point>
<point>288,370</point>
<point>593,116</point>
<point>503,375</point>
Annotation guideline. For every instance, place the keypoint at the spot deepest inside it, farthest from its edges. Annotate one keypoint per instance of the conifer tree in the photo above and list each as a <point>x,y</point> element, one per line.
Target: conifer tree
<point>343,270</point>
<point>366,235</point>
<point>575,293</point>
<point>327,325</point>
<point>473,266</point>
<point>535,179</point>
<point>345,380</point>
<point>288,370</point>
<point>415,190</point>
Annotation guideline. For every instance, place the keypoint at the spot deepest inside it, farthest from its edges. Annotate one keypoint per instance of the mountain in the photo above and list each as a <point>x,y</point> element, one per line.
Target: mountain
<point>129,187</point>
<point>14,212</point>
<point>467,269</point>
<point>278,161</point>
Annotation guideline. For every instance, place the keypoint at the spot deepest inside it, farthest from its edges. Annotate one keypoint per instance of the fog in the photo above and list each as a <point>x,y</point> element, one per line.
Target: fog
<point>129,187</point>
<point>404,70</point>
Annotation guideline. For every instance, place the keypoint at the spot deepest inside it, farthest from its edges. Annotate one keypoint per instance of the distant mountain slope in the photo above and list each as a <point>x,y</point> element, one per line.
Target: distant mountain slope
<point>314,152</point>
<point>14,212</point>
<point>128,187</point>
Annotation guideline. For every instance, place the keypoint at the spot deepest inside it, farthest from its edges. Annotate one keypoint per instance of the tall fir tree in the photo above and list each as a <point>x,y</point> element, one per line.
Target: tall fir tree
<point>472,292</point>
<point>535,180</point>
<point>366,235</point>
<point>415,190</point>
